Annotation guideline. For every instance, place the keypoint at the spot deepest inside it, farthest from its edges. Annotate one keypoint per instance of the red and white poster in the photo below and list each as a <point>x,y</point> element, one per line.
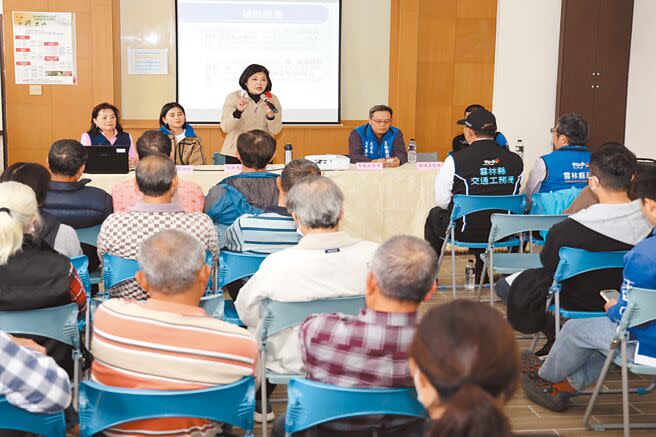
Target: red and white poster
<point>44,48</point>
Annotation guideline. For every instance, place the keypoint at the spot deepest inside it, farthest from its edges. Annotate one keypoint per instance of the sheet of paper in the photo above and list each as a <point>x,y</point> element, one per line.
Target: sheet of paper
<point>148,61</point>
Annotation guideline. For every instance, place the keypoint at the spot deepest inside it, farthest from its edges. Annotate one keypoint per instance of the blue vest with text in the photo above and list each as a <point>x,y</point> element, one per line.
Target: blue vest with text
<point>567,167</point>
<point>122,139</point>
<point>371,147</point>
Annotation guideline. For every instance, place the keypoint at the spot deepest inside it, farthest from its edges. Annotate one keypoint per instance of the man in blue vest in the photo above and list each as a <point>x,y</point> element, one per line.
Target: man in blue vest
<point>378,140</point>
<point>568,165</point>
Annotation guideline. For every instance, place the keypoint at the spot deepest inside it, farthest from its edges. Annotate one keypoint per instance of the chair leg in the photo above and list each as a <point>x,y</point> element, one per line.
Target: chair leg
<point>534,342</point>
<point>490,275</point>
<point>263,396</point>
<point>453,263</point>
<point>625,389</point>
<point>442,252</point>
<point>480,283</point>
<point>76,380</point>
<point>597,390</point>
<point>557,313</point>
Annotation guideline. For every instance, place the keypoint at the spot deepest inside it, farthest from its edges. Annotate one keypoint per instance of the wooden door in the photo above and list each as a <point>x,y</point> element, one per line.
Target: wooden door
<point>595,41</point>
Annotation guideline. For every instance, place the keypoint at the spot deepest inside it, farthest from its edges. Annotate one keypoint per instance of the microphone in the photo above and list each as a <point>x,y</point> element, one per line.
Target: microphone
<point>271,106</point>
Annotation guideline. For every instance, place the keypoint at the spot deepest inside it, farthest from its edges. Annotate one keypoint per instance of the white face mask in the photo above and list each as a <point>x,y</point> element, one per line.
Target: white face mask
<point>421,394</point>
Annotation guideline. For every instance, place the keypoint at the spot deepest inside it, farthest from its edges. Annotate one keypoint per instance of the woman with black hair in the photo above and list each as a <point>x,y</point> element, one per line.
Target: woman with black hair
<point>186,148</point>
<point>106,130</point>
<point>252,107</point>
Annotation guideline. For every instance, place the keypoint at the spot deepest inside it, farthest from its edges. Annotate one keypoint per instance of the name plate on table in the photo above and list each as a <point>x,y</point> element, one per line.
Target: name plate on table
<point>369,166</point>
<point>232,168</point>
<point>184,169</point>
<point>428,165</point>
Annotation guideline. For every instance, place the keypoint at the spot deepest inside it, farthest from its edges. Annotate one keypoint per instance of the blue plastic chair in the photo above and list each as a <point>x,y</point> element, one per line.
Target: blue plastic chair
<point>641,309</point>
<point>504,225</point>
<point>81,265</point>
<point>312,403</point>
<point>103,407</point>
<point>49,425</point>
<point>234,266</point>
<point>464,205</point>
<point>58,323</point>
<point>574,262</point>
<point>90,236</point>
<point>278,316</point>
<point>117,270</point>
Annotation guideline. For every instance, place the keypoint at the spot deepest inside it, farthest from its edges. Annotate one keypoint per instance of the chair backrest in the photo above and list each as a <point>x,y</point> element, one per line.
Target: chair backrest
<point>88,235</point>
<point>553,203</point>
<point>277,316</point>
<point>49,425</point>
<point>81,265</point>
<point>312,403</point>
<point>117,269</point>
<point>504,225</point>
<point>103,407</point>
<point>641,307</point>
<point>464,204</point>
<point>235,265</point>
<point>574,262</point>
<point>59,323</point>
<point>218,159</point>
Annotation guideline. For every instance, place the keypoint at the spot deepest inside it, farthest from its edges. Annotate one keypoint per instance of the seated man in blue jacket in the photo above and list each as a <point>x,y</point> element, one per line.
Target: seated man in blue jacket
<point>253,191</point>
<point>574,363</point>
<point>568,165</point>
<point>378,140</point>
<point>69,199</point>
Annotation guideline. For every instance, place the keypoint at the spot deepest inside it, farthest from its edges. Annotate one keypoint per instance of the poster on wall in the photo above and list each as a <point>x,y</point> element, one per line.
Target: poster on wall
<point>44,48</point>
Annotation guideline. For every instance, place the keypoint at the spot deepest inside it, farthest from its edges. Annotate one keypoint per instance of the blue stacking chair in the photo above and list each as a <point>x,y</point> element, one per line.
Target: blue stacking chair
<point>504,225</point>
<point>312,403</point>
<point>58,323</point>
<point>641,309</point>
<point>574,262</point>
<point>103,407</point>
<point>49,425</point>
<point>234,266</point>
<point>81,265</point>
<point>90,236</point>
<point>278,316</point>
<point>117,270</point>
<point>464,205</point>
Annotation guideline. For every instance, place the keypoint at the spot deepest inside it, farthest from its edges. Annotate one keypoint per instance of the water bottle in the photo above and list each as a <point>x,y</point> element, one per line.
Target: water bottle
<point>470,275</point>
<point>412,151</point>
<point>288,153</point>
<point>519,149</point>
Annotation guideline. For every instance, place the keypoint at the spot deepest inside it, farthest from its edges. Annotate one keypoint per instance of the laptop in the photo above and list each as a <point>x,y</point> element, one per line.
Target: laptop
<point>107,160</point>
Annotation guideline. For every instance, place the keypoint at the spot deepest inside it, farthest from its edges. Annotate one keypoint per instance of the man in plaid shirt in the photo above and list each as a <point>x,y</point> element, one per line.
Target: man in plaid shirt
<point>371,349</point>
<point>31,380</point>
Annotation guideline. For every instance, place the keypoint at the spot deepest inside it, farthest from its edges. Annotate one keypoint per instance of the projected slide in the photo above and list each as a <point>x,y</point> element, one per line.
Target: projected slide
<point>298,41</point>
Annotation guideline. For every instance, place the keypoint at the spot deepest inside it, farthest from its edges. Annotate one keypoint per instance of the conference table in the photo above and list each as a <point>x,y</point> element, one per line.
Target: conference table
<point>378,204</point>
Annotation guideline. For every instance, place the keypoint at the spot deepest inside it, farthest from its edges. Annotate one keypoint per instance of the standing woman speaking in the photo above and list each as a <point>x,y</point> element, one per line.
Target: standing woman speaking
<point>252,107</point>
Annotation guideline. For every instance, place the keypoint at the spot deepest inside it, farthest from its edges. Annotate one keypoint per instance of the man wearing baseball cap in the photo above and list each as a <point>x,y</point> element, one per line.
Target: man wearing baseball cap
<point>482,168</point>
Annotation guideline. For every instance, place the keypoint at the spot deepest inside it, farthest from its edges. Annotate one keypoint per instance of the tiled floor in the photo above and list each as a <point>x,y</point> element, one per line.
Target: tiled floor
<point>529,418</point>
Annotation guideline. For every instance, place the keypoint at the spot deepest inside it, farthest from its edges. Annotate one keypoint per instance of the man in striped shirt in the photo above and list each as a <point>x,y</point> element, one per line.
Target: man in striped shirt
<point>168,342</point>
<point>273,230</point>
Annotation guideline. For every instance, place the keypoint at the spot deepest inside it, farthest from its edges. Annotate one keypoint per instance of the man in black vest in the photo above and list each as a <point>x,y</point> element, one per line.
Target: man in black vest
<point>482,168</point>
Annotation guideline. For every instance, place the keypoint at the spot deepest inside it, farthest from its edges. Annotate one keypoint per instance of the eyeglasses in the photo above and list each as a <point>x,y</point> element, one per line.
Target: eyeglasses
<point>386,121</point>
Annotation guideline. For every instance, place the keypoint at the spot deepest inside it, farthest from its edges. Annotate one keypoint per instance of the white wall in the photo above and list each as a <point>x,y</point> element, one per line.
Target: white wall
<point>526,73</point>
<point>641,93</point>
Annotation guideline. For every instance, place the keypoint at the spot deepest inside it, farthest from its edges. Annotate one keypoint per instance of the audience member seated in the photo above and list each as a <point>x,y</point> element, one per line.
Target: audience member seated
<point>275,229</point>
<point>69,199</point>
<point>168,342</point>
<point>459,142</point>
<point>574,362</point>
<point>252,191</point>
<point>371,349</point>
<point>122,233</point>
<point>568,165</point>
<point>29,378</point>
<point>378,140</point>
<point>615,223</point>
<point>326,263</point>
<point>465,365</point>
<point>126,194</point>
<point>482,168</point>
<point>106,130</point>
<point>185,145</point>
<point>47,227</point>
<point>32,274</point>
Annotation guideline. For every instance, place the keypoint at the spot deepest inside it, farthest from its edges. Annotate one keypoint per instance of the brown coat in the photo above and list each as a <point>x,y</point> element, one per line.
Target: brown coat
<point>253,117</point>
<point>188,151</point>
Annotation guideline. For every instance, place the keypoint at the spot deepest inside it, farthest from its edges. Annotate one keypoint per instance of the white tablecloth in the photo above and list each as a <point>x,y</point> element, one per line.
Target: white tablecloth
<point>377,204</point>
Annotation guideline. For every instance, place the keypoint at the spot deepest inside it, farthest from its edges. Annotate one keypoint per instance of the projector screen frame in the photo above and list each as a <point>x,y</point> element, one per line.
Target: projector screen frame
<point>298,123</point>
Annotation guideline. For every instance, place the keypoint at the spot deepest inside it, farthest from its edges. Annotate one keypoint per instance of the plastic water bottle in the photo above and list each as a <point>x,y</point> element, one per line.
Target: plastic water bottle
<point>412,151</point>
<point>519,149</point>
<point>288,153</point>
<point>470,275</point>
